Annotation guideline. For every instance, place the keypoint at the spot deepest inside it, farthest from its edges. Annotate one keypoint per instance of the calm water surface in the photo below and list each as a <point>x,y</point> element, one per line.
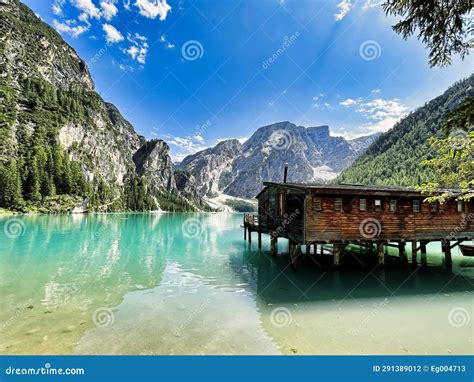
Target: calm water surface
<point>189,284</point>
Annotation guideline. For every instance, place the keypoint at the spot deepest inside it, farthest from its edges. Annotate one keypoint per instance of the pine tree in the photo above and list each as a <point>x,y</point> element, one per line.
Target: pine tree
<point>10,185</point>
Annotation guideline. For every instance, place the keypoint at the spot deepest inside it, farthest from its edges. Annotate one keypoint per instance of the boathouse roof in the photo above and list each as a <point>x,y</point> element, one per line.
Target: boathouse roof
<point>345,188</point>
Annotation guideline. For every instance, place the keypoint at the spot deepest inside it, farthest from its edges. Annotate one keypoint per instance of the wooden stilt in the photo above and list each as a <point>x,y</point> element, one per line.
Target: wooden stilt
<point>245,231</point>
<point>336,253</point>
<point>273,245</point>
<point>308,249</point>
<point>380,254</point>
<point>293,249</point>
<point>250,236</point>
<point>448,261</point>
<point>423,253</point>
<point>259,240</point>
<point>402,253</point>
<point>413,253</point>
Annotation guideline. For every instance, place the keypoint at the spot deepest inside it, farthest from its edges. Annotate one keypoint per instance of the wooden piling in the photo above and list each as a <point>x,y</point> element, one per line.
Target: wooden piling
<point>293,250</point>
<point>273,245</point>
<point>245,231</point>
<point>380,254</point>
<point>250,236</point>
<point>423,253</point>
<point>401,252</point>
<point>448,261</point>
<point>336,253</point>
<point>259,239</point>
<point>413,253</point>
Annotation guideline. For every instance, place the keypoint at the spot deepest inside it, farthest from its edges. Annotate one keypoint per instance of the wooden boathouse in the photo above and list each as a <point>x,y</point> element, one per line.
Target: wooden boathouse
<point>369,216</point>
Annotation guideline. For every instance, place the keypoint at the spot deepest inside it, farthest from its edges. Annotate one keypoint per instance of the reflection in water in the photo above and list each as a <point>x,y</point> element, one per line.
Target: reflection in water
<point>171,291</point>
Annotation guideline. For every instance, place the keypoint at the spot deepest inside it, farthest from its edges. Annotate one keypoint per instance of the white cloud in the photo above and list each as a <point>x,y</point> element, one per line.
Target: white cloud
<point>69,28</point>
<point>371,4</point>
<point>58,7</point>
<point>126,4</point>
<point>109,9</point>
<point>348,102</point>
<point>344,7</point>
<point>165,41</point>
<point>112,35</point>
<point>376,91</point>
<point>139,49</point>
<point>185,146</point>
<point>382,114</point>
<point>88,9</point>
<point>153,8</point>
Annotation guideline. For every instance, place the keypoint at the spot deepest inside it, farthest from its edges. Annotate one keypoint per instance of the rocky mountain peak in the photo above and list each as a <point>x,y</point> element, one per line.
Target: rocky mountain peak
<point>32,47</point>
<point>312,154</point>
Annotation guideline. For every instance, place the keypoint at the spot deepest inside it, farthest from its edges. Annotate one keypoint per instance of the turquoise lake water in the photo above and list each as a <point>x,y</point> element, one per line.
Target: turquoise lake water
<point>189,284</point>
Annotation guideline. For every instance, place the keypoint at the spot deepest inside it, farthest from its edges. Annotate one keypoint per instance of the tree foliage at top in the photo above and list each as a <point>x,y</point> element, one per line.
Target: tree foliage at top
<point>444,26</point>
<point>453,164</point>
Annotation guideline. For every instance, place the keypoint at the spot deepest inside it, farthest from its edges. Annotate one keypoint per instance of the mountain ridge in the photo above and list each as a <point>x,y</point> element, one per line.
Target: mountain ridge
<point>239,169</point>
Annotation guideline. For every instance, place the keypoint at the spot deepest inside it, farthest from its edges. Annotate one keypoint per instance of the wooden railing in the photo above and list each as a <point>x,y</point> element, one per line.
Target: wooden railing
<point>251,219</point>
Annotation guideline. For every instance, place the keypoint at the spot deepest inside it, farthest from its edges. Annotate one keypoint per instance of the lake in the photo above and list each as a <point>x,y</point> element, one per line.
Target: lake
<point>190,284</point>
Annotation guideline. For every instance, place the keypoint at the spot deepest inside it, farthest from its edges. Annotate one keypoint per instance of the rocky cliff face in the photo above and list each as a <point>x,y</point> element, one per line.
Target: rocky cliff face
<point>313,155</point>
<point>212,168</point>
<point>48,95</point>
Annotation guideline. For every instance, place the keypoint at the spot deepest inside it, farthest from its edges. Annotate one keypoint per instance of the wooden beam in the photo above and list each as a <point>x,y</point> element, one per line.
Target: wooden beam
<point>455,243</point>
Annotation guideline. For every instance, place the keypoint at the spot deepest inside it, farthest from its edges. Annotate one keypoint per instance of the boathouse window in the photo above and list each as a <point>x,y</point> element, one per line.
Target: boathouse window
<point>378,205</point>
<point>416,206</point>
<point>460,206</point>
<point>338,204</point>
<point>434,207</point>
<point>362,204</point>
<point>393,205</point>
<point>317,204</point>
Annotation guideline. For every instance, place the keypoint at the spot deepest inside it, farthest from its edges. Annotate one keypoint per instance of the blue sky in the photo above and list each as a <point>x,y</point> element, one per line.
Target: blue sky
<point>196,72</point>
